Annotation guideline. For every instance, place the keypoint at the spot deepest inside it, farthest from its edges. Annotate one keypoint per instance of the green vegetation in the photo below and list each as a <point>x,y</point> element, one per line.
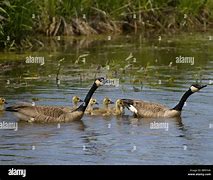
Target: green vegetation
<point>21,21</point>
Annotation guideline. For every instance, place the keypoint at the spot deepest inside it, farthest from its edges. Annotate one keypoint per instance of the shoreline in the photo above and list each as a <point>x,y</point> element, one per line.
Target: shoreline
<point>21,22</point>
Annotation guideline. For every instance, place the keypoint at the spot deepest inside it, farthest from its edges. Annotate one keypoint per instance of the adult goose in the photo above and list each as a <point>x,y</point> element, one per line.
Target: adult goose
<point>149,109</point>
<point>54,114</point>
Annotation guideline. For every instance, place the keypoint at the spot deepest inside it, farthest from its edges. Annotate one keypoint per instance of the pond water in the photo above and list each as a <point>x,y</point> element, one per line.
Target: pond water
<point>147,68</point>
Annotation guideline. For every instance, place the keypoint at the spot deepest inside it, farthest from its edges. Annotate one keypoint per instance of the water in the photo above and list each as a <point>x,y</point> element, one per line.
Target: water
<point>146,68</point>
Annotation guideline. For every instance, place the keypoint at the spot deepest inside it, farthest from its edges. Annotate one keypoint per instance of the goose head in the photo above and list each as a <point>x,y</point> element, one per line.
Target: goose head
<point>93,102</point>
<point>107,101</point>
<point>119,103</point>
<point>76,100</point>
<point>100,81</point>
<point>196,87</point>
<point>119,106</point>
<point>2,102</point>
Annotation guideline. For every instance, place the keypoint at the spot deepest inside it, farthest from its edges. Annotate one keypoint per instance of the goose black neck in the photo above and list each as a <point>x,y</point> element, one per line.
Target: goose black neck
<point>180,105</point>
<point>83,106</point>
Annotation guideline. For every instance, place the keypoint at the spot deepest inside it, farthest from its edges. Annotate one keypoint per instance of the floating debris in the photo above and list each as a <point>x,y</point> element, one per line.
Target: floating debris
<point>58,125</point>
<point>82,57</point>
<point>134,60</point>
<point>170,64</point>
<point>135,89</point>
<point>129,57</point>
<point>32,78</point>
<point>134,148</point>
<point>58,82</point>
<point>109,38</point>
<point>8,82</point>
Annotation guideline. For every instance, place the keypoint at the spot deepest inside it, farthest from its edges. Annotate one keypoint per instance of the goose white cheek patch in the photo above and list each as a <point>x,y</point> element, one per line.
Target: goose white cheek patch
<point>133,109</point>
<point>194,89</point>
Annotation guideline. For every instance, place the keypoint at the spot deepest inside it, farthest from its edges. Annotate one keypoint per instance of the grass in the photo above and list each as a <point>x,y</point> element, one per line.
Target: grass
<point>22,20</point>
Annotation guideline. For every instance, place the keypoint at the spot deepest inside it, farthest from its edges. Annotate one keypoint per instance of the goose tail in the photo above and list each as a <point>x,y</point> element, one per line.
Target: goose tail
<point>11,109</point>
<point>129,104</point>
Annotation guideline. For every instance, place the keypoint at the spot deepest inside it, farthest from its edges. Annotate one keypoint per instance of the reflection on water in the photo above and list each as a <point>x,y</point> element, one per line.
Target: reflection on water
<point>146,69</point>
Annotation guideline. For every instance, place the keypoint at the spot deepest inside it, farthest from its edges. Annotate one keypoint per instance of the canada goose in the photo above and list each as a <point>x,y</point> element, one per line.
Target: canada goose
<point>54,114</point>
<point>148,109</point>
<point>2,102</point>
<point>92,102</point>
<point>118,109</point>
<point>105,111</point>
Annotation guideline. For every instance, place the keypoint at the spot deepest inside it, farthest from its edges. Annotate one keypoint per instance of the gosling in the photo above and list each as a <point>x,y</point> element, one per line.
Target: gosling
<point>90,107</point>
<point>2,103</point>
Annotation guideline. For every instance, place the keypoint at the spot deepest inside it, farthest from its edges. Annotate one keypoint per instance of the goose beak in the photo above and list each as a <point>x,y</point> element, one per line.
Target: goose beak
<point>97,103</point>
<point>81,100</point>
<point>111,102</point>
<point>203,86</point>
<point>5,102</point>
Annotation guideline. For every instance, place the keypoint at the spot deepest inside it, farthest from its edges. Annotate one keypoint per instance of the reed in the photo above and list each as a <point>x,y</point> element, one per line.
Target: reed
<point>23,19</point>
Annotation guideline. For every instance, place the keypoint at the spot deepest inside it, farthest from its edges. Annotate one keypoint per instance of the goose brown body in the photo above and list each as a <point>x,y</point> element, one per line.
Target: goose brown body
<point>45,114</point>
<point>142,108</point>
<point>52,113</point>
<point>149,109</point>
